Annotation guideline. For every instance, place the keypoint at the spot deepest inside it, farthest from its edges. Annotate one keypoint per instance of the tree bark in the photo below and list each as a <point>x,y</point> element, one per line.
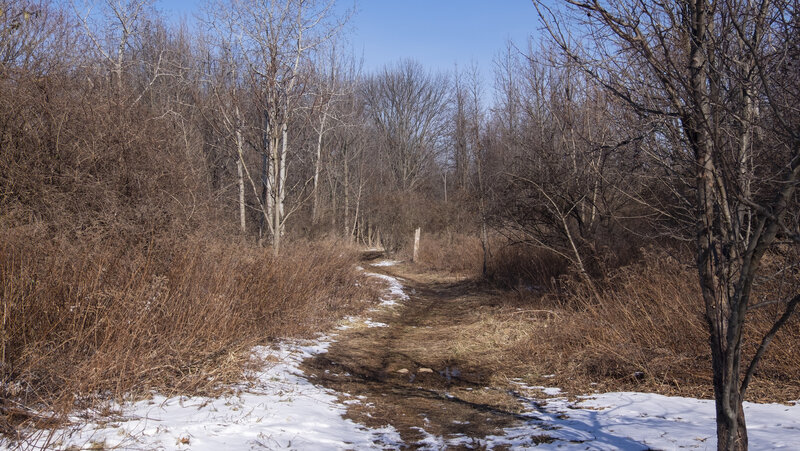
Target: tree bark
<point>317,168</point>
<point>240,182</point>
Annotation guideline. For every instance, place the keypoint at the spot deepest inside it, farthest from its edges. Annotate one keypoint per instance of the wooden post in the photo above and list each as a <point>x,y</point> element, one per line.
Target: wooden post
<point>416,245</point>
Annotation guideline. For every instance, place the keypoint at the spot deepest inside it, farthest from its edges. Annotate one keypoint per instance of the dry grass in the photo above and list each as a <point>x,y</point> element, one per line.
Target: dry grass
<point>90,321</point>
<point>511,266</point>
<point>646,332</point>
<point>451,252</point>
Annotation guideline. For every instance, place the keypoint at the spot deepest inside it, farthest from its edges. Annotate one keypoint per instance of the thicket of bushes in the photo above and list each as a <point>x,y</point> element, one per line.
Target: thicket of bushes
<point>90,318</point>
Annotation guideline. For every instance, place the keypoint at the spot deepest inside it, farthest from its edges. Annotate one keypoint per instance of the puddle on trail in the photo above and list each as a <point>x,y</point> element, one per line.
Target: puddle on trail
<point>450,373</point>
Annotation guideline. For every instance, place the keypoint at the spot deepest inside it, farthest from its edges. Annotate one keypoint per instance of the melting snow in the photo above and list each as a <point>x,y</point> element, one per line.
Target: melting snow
<point>395,290</point>
<point>633,421</point>
<point>281,409</point>
<point>549,391</point>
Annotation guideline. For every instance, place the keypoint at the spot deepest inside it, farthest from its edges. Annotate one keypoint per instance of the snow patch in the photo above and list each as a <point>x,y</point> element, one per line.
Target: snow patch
<point>279,409</point>
<point>633,421</point>
<point>549,391</point>
<point>395,289</point>
<point>385,263</point>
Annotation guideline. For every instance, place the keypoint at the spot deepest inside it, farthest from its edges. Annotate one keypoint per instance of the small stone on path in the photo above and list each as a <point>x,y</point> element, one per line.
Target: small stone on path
<point>402,371</point>
<point>425,370</point>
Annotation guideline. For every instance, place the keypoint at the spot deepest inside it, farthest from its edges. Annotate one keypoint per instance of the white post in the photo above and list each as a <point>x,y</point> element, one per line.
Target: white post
<point>416,245</point>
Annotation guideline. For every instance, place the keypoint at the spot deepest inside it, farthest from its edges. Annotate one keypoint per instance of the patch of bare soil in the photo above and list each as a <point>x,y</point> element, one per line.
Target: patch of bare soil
<point>436,367</point>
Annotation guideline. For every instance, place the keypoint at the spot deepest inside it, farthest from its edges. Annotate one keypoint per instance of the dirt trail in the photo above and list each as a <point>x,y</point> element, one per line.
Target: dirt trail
<point>417,370</point>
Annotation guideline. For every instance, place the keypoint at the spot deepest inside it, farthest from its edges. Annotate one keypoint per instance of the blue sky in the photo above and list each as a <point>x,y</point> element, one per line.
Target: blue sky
<point>438,33</point>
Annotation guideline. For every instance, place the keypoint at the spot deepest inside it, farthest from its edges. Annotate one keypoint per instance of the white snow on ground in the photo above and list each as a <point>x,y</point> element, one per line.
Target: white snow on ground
<point>395,290</point>
<point>281,409</point>
<point>635,421</point>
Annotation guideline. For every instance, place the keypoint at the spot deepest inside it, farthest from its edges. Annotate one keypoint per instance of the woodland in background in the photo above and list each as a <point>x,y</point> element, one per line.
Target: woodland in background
<point>217,177</point>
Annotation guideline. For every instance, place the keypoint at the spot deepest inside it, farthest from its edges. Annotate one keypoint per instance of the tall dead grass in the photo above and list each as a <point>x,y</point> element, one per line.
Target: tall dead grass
<point>451,252</point>
<point>94,320</point>
<point>508,265</point>
<point>647,332</point>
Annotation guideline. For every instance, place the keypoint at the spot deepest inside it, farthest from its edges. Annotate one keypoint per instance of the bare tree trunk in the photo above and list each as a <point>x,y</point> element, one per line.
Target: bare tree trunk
<point>444,175</point>
<point>334,205</point>
<point>355,215</point>
<point>725,335</point>
<point>279,190</point>
<point>266,158</point>
<point>346,221</point>
<point>118,62</point>
<point>240,182</point>
<point>239,164</point>
<point>317,167</point>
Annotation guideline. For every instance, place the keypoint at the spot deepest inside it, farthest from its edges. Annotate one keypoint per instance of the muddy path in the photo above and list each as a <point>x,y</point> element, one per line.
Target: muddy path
<point>415,366</point>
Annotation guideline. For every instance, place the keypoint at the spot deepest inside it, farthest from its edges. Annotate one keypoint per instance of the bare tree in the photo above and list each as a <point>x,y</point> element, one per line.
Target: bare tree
<point>469,120</point>
<point>27,30</point>
<point>334,82</point>
<point>406,105</point>
<point>714,75</point>
<point>275,38</point>
<point>226,83</point>
<point>114,31</point>
<point>558,143</point>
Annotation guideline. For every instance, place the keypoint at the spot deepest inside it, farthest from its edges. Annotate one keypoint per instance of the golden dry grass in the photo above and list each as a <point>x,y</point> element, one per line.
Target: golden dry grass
<point>645,332</point>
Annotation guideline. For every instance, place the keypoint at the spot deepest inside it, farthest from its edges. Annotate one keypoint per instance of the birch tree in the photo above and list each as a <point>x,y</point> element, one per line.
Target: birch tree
<point>334,83</point>
<point>276,37</point>
<point>225,81</point>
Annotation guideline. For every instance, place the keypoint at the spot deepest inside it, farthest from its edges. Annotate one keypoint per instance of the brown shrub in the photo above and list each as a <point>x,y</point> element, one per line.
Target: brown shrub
<point>647,332</point>
<point>452,252</point>
<point>90,320</point>
<point>121,267</point>
<point>509,266</point>
<point>524,266</point>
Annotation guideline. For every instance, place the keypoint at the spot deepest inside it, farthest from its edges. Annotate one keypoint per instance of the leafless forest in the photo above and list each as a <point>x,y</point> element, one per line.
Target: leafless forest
<point>171,195</point>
